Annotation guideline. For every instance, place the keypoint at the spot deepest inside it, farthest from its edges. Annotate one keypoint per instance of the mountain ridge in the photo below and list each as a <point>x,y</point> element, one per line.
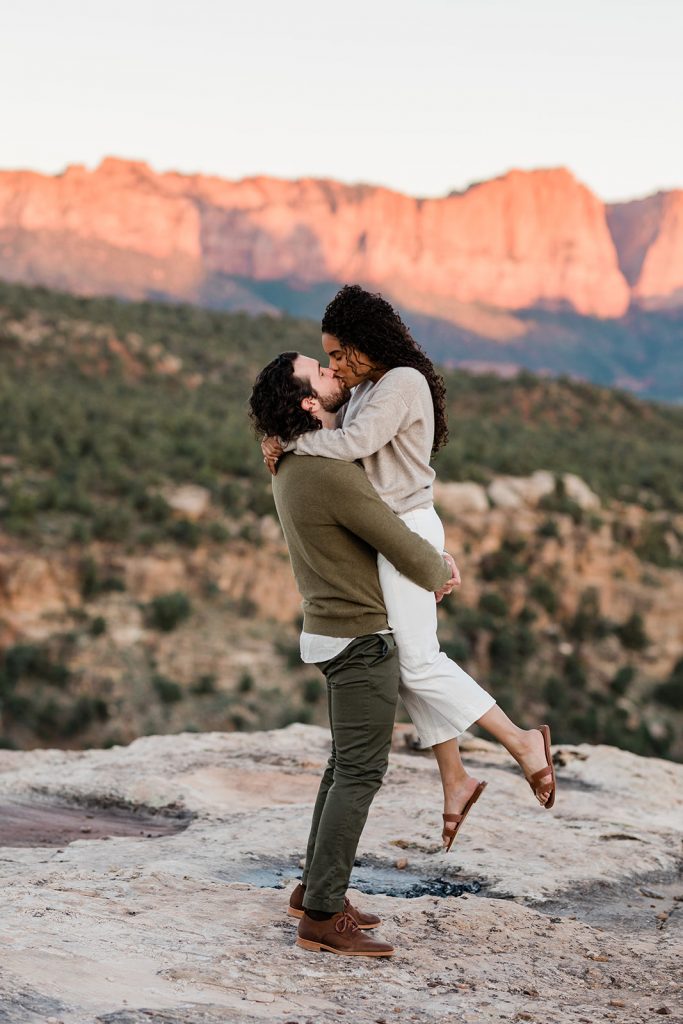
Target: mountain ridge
<point>508,261</point>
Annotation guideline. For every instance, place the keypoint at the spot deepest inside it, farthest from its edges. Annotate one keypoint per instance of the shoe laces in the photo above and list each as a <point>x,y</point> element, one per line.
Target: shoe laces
<point>345,923</point>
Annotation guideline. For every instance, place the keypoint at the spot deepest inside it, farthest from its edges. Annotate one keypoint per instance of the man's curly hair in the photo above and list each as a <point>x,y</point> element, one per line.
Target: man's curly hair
<point>366,322</point>
<point>275,403</point>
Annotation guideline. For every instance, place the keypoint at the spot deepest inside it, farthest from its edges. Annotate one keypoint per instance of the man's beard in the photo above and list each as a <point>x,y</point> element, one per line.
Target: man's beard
<point>333,403</point>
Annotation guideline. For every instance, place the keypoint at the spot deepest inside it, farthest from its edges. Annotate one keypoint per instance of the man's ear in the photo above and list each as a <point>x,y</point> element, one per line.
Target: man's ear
<point>310,404</point>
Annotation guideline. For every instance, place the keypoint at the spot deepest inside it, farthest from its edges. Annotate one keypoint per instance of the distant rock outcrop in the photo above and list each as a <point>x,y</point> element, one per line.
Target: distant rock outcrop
<point>648,234</point>
<point>526,239</point>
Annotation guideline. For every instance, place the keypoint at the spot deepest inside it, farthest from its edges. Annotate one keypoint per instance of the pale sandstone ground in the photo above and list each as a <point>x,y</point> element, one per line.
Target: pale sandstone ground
<point>179,929</point>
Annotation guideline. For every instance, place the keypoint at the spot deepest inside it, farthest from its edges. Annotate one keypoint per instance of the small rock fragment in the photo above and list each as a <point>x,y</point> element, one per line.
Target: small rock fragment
<point>665,1010</point>
<point>617,1002</point>
<point>651,894</point>
<point>401,863</point>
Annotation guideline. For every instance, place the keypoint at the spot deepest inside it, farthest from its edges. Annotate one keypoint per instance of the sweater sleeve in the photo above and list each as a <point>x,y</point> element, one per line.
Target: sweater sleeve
<point>378,420</point>
<point>357,506</point>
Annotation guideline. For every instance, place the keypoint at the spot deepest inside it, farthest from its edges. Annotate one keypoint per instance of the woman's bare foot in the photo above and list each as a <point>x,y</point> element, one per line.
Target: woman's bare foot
<point>454,800</point>
<point>529,753</point>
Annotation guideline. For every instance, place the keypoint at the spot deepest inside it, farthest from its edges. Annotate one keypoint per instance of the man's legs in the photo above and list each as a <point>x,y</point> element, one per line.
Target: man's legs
<point>362,691</point>
<point>325,783</point>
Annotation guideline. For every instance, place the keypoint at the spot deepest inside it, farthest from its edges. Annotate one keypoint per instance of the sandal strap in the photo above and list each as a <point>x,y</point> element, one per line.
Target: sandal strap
<point>539,775</point>
<point>452,817</point>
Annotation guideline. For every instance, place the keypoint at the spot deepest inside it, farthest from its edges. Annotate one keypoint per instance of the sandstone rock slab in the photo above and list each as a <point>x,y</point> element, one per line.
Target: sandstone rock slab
<point>192,926</point>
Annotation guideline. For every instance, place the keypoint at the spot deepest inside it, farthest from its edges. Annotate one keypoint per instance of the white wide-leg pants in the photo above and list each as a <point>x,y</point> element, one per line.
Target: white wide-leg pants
<point>440,697</point>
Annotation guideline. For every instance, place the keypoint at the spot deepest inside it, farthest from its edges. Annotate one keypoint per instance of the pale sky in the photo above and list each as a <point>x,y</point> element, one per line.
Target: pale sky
<point>423,97</point>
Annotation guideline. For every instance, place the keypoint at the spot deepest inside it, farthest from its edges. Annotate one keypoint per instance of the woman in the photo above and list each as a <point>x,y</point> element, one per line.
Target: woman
<point>394,422</point>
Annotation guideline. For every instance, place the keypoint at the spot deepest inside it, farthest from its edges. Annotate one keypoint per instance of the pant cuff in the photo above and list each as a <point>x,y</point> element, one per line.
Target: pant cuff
<point>325,906</point>
<point>429,737</point>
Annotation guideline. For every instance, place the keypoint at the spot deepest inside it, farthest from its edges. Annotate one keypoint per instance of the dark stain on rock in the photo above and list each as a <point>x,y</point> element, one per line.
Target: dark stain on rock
<point>56,824</point>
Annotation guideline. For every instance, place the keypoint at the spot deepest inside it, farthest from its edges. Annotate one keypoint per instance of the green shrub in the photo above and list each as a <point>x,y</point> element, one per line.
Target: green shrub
<point>575,672</point>
<point>632,633</point>
<point>290,652</point>
<point>153,508</point>
<point>503,564</point>
<point>113,583</point>
<point>588,622</point>
<point>542,592</point>
<point>98,626</point>
<point>168,691</point>
<point>217,532</point>
<point>670,692</point>
<point>83,712</point>
<point>494,604</point>
<point>312,690</point>
<point>204,685</point>
<point>92,582</point>
<point>549,528</point>
<point>526,615</point>
<point>246,683</point>
<point>112,523</point>
<point>47,719</point>
<point>510,647</point>
<point>34,661</point>
<point>622,679</point>
<point>652,545</point>
<point>81,532</point>
<point>184,531</point>
<point>89,577</point>
<point>168,610</point>
<point>498,565</point>
<point>557,694</point>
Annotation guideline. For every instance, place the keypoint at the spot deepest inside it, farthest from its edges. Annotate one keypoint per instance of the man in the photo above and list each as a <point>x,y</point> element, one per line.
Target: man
<point>334,523</point>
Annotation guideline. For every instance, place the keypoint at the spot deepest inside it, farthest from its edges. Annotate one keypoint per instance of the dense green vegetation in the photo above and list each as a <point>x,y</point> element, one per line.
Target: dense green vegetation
<point>97,416</point>
<point>104,404</point>
<point>531,679</point>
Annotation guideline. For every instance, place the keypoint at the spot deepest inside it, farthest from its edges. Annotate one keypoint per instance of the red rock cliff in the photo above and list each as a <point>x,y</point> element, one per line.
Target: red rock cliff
<point>525,239</point>
<point>648,234</point>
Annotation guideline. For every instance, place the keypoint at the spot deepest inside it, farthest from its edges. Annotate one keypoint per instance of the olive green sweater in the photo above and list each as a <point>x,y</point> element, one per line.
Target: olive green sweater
<point>334,523</point>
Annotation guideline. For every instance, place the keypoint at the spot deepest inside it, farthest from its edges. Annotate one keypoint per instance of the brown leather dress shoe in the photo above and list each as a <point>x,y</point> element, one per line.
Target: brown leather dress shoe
<point>340,934</point>
<point>364,921</point>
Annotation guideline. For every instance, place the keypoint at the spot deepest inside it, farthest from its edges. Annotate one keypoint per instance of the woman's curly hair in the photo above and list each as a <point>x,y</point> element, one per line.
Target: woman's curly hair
<point>275,403</point>
<point>366,322</point>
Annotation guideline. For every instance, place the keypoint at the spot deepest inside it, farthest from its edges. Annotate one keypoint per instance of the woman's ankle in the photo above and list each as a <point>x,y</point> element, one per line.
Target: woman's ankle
<point>455,783</point>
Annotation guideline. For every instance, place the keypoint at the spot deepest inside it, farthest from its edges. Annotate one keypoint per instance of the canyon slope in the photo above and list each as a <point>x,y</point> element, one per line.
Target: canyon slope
<point>526,240</point>
<point>145,586</point>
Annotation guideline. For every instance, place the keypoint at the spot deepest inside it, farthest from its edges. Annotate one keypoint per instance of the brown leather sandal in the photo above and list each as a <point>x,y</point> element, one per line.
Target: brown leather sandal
<point>458,819</point>
<point>543,781</point>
